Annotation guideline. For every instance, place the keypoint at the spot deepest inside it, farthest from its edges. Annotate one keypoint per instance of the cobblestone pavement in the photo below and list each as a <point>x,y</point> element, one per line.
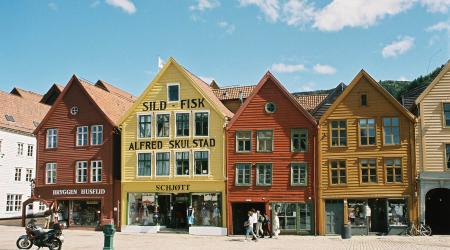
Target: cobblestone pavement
<point>78,239</point>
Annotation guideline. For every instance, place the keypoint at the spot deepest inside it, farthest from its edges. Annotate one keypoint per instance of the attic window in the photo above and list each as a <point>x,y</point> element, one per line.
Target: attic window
<point>270,107</point>
<point>35,123</point>
<point>10,118</point>
<point>363,100</point>
<point>74,110</point>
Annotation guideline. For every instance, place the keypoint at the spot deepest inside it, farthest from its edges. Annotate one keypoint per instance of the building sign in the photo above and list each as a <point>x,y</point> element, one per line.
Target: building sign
<point>173,187</point>
<point>184,104</point>
<point>79,191</point>
<point>172,144</point>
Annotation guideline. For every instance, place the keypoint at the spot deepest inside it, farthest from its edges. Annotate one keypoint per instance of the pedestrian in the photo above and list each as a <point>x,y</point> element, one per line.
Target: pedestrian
<point>248,225</point>
<point>254,220</point>
<point>276,225</point>
<point>259,222</point>
<point>266,226</point>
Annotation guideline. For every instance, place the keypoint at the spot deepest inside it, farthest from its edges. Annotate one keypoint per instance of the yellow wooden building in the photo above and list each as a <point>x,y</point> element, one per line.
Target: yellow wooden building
<point>173,156</point>
<point>366,170</point>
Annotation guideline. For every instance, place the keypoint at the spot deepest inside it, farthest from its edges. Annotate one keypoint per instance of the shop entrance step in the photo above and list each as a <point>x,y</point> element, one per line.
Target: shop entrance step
<point>173,231</point>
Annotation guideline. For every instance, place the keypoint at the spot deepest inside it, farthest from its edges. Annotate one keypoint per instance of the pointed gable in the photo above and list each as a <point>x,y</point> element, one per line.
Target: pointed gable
<point>436,80</point>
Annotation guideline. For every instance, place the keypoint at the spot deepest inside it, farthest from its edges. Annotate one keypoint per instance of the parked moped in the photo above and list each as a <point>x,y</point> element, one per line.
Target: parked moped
<point>35,235</point>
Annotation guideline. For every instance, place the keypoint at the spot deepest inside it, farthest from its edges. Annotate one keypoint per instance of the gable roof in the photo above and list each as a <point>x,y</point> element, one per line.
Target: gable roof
<point>233,93</point>
<point>268,76</point>
<point>377,86</point>
<point>52,94</point>
<point>196,82</point>
<point>434,82</point>
<point>310,102</point>
<point>326,103</point>
<point>114,90</point>
<point>26,94</point>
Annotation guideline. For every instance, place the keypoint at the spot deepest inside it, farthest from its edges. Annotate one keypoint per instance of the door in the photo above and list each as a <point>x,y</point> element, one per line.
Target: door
<point>179,213</point>
<point>334,216</point>
<point>378,220</point>
<point>437,207</point>
<point>240,214</point>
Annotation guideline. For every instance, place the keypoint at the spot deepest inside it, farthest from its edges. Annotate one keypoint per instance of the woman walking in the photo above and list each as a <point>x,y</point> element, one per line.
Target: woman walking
<point>276,225</point>
<point>249,226</point>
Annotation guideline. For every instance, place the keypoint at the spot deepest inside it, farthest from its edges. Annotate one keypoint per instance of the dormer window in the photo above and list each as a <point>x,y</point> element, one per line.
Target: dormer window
<point>173,92</point>
<point>363,100</point>
<point>10,118</point>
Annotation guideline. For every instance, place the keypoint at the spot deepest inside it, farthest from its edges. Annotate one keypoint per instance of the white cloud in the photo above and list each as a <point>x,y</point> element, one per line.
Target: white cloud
<point>440,26</point>
<point>125,5</point>
<point>203,5</point>
<point>207,79</point>
<point>324,69</point>
<point>309,86</point>
<point>270,8</point>
<point>298,12</point>
<point>434,6</point>
<point>398,47</point>
<point>52,6</point>
<point>227,27</point>
<point>288,68</point>
<point>403,78</point>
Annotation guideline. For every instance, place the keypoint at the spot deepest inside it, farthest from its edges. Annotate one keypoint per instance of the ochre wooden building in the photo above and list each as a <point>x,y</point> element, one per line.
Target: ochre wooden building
<point>366,169</point>
<point>271,153</point>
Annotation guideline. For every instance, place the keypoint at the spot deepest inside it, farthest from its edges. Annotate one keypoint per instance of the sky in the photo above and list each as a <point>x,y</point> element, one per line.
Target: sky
<point>307,45</point>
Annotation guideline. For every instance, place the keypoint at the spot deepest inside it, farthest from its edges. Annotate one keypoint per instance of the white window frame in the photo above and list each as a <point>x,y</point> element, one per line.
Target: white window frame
<point>52,168</point>
<point>176,124</point>
<point>175,163</point>
<point>156,114</point>
<point>257,174</point>
<point>300,131</point>
<point>13,203</point>
<point>179,92</point>
<point>151,163</point>
<point>237,141</point>
<point>195,125</point>
<point>138,134</point>
<point>18,174</point>
<point>80,167</point>
<point>95,134</point>
<point>28,174</point>
<point>52,133</point>
<point>82,134</point>
<point>209,162</point>
<point>236,183</point>
<point>94,177</point>
<point>156,164</point>
<point>19,148</point>
<point>300,164</point>
<point>257,141</point>
<point>30,152</point>
<point>42,206</point>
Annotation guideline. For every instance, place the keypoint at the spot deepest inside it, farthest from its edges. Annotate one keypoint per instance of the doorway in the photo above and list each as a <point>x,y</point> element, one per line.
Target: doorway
<point>334,216</point>
<point>378,220</point>
<point>437,207</point>
<point>240,214</point>
<point>180,203</point>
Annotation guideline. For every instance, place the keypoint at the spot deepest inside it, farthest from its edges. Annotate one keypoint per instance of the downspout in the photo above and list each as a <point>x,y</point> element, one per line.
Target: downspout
<point>225,168</point>
<point>314,181</point>
<point>317,196</point>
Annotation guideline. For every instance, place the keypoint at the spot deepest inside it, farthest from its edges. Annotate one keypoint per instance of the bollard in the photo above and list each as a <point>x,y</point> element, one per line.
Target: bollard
<point>346,231</point>
<point>108,231</point>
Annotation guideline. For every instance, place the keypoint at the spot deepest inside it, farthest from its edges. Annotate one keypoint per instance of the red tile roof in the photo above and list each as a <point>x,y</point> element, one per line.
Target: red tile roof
<point>310,102</point>
<point>231,93</point>
<point>26,94</point>
<point>114,90</point>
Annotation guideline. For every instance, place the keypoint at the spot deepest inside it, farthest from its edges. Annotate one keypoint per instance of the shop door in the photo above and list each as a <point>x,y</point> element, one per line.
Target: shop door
<point>378,221</point>
<point>180,204</point>
<point>334,216</point>
<point>164,209</point>
<point>239,212</point>
<point>437,207</point>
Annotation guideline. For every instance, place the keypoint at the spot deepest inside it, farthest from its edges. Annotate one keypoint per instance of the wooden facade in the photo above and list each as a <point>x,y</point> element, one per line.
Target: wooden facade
<point>294,202</point>
<point>354,179</point>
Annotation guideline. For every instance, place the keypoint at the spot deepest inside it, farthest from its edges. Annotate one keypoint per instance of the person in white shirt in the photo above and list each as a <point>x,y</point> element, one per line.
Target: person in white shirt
<point>368,213</point>
<point>254,219</point>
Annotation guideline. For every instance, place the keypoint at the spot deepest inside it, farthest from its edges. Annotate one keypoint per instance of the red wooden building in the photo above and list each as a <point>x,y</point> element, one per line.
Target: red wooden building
<point>271,155</point>
<point>78,150</point>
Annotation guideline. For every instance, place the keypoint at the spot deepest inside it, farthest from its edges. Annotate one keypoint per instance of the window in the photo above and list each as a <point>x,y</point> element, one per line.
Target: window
<point>367,132</point>
<point>243,141</point>
<point>201,123</point>
<point>82,136</point>
<point>96,171</point>
<point>447,155</point>
<point>10,118</point>
<point>363,100</point>
<point>391,131</point>
<point>74,110</point>
<point>182,163</point>
<point>162,125</point>
<point>144,164</point>
<point>173,92</point>
<point>398,212</point>
<point>42,206</point>
<point>338,133</point>
<point>13,202</point>
<point>19,148</point>
<point>96,134</point>
<point>182,124</point>
<point>145,126</point>
<point>393,170</point>
<point>264,140</point>
<point>299,174</point>
<point>52,138</point>
<point>30,150</point>
<point>270,107</point>
<point>338,172</point>
<point>243,174</point>
<point>18,174</point>
<point>264,174</point>
<point>446,114</point>
<point>81,171</point>
<point>162,164</point>
<point>305,217</point>
<point>299,140</point>
<point>50,173</point>
<point>29,174</point>
<point>368,170</point>
<point>201,162</point>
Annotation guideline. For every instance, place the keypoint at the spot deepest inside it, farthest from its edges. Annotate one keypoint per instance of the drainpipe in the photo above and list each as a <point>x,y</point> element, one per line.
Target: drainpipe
<point>315,194</point>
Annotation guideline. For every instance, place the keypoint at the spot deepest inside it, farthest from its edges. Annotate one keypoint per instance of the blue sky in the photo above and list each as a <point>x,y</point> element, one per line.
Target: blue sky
<point>306,44</point>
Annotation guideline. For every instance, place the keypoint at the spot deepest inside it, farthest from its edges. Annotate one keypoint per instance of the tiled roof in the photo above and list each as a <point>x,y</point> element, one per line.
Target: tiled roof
<point>114,90</point>
<point>409,98</point>
<point>27,113</point>
<point>30,95</point>
<point>328,101</point>
<point>232,93</point>
<point>310,102</point>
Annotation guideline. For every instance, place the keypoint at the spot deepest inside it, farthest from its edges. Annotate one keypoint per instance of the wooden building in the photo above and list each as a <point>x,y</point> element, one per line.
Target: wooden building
<point>78,153</point>
<point>173,156</point>
<point>366,171</point>
<point>271,154</point>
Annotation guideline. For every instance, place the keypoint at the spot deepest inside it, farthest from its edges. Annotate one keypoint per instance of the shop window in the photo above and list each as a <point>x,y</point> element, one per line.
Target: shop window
<point>96,171</point>
<point>81,172</point>
<point>52,138</point>
<point>145,126</point>
<point>447,156</point>
<point>182,163</point>
<point>144,164</point>
<point>162,164</point>
<point>264,140</point>
<point>243,141</point>
<point>305,217</point>
<point>357,211</point>
<point>50,173</point>
<point>299,140</point>
<point>30,150</point>
<point>19,148</point>
<point>299,174</point>
<point>201,162</point>
<point>446,107</point>
<point>366,132</point>
<point>338,133</point>
<point>82,136</point>
<point>182,123</point>
<point>96,134</point>
<point>368,170</point>
<point>29,174</point>
<point>287,215</point>
<point>85,213</point>
<point>201,123</point>
<point>13,202</point>
<point>243,174</point>
<point>162,125</point>
<point>207,209</point>
<point>397,212</point>
<point>173,92</point>
<point>142,209</point>
<point>393,170</point>
<point>18,174</point>
<point>264,174</point>
<point>338,172</point>
<point>391,131</point>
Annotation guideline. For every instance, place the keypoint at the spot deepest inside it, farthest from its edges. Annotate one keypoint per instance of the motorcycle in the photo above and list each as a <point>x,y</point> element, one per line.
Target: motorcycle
<point>35,235</point>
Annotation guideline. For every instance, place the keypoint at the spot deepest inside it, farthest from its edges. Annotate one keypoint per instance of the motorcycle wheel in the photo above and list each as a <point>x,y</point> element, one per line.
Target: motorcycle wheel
<point>54,244</point>
<point>24,243</point>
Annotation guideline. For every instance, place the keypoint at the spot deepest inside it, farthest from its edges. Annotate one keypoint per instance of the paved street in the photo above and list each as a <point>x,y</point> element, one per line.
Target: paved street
<point>76,239</point>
